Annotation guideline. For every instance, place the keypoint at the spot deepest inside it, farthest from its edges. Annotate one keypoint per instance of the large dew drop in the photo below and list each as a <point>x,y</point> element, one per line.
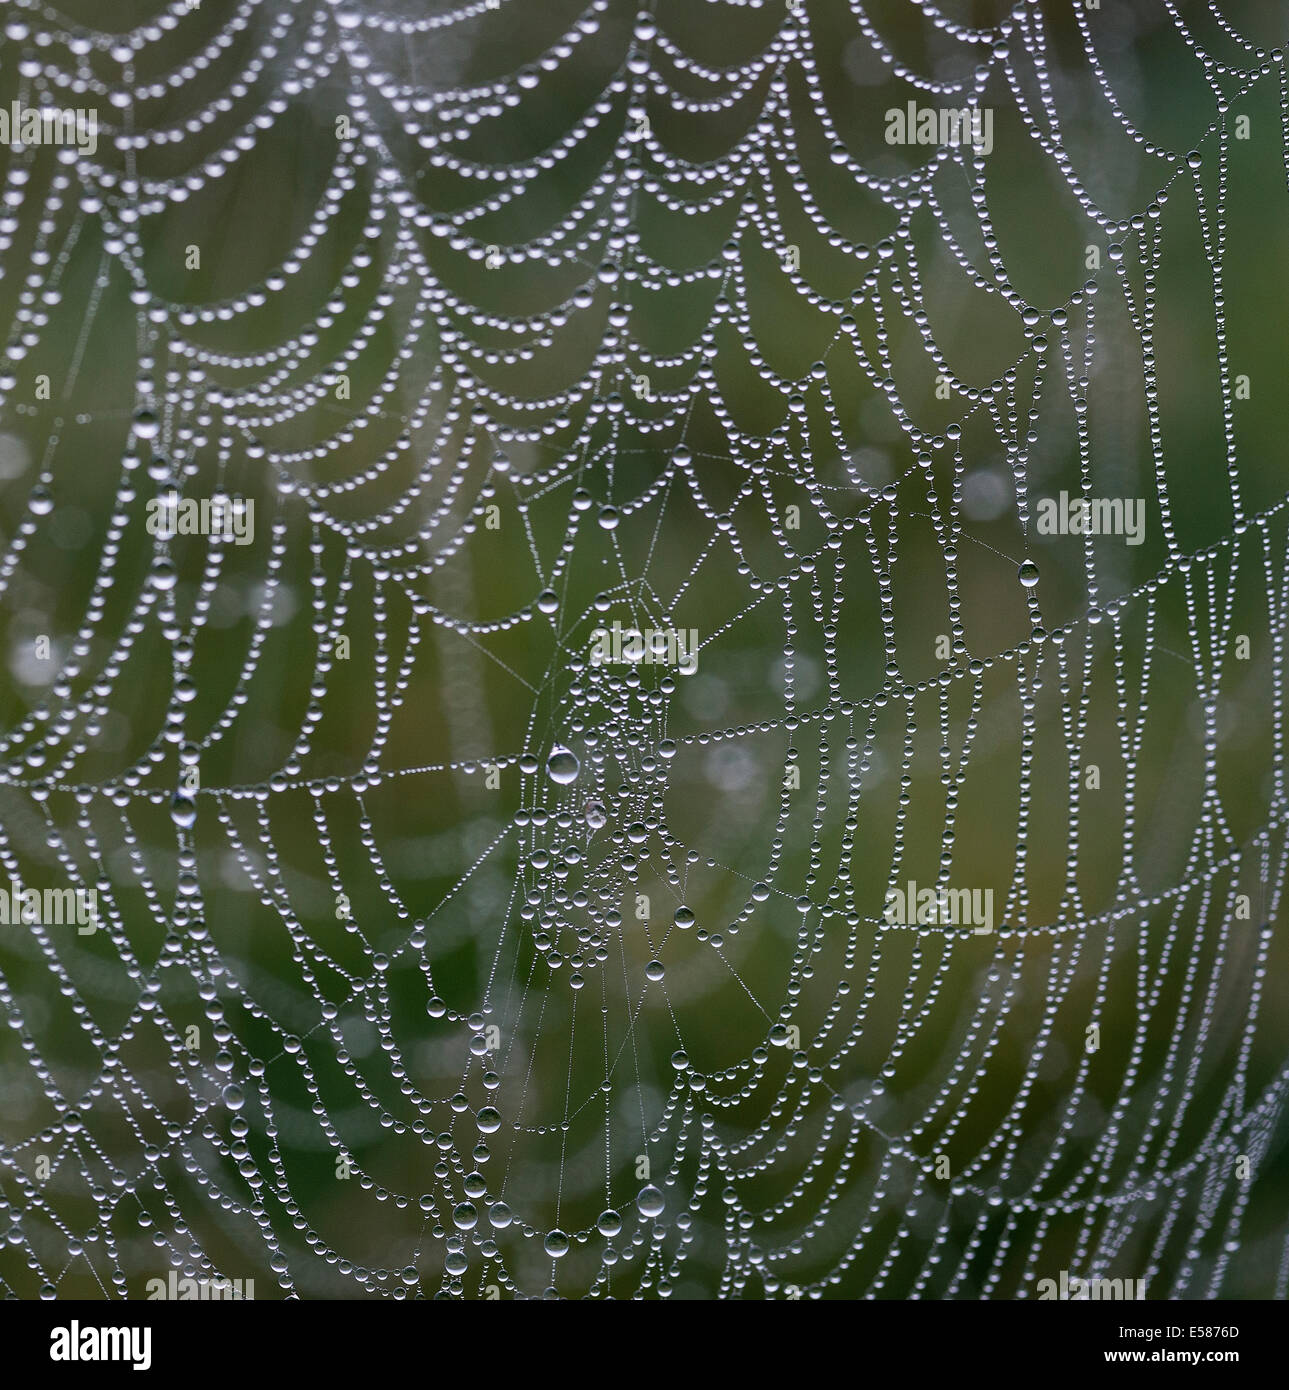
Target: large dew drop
<point>650,1202</point>
<point>562,766</point>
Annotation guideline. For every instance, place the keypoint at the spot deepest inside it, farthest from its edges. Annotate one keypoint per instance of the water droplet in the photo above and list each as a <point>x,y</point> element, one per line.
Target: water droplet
<point>41,501</point>
<point>556,1244</point>
<point>183,811</point>
<point>1028,574</point>
<point>562,766</point>
<point>609,1224</point>
<point>683,918</point>
<point>548,601</point>
<point>650,1201</point>
<point>233,1096</point>
<point>146,424</point>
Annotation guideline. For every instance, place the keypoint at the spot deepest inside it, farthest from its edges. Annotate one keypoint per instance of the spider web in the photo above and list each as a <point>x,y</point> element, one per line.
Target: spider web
<point>441,955</point>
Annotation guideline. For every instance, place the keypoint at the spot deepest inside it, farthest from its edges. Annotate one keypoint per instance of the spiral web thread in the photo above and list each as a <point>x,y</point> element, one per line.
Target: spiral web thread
<point>438,957</point>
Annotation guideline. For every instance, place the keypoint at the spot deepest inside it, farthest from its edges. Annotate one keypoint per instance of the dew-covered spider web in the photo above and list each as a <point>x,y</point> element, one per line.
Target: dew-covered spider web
<point>648,461</point>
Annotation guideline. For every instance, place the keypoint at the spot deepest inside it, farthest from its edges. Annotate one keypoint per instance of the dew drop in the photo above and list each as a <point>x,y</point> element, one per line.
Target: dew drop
<point>146,424</point>
<point>562,766</point>
<point>650,1202</point>
<point>164,574</point>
